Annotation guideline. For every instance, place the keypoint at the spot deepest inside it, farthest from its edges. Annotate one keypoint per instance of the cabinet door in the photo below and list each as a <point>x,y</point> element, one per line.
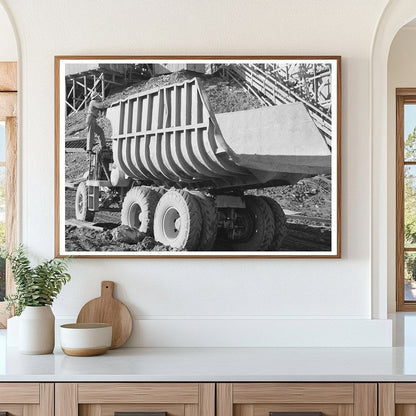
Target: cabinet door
<point>142,399</point>
<point>397,399</point>
<point>26,399</point>
<point>297,399</point>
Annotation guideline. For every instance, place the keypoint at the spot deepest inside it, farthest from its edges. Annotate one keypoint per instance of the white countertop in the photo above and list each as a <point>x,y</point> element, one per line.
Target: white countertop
<point>215,364</point>
<point>222,364</point>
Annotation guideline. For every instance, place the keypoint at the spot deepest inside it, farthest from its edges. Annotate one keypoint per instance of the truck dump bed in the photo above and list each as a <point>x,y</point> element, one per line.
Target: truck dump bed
<point>169,136</point>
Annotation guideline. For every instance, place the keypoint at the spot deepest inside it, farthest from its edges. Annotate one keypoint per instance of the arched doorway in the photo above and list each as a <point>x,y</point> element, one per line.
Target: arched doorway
<point>396,15</point>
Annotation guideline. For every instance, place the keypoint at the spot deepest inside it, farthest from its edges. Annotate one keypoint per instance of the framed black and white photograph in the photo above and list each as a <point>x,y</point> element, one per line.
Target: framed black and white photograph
<point>198,156</point>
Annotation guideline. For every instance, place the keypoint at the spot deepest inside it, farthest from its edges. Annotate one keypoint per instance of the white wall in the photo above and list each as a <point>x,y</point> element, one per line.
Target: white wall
<point>401,74</point>
<point>248,302</point>
<point>8,47</point>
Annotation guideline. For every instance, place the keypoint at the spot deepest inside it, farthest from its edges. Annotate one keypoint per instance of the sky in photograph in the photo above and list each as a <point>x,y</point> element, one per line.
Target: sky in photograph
<point>2,142</point>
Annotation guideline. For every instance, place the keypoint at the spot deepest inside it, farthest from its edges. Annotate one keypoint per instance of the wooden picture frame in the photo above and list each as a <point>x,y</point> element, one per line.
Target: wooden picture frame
<point>8,115</point>
<point>195,152</point>
<point>405,301</point>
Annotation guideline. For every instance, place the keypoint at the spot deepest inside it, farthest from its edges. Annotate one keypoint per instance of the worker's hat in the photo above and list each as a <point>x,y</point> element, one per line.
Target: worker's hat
<point>95,95</point>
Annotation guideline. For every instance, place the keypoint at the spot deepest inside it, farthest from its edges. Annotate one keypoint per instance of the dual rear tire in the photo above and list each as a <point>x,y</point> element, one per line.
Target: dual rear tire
<point>177,218</point>
<point>188,220</point>
<point>139,207</point>
<point>260,226</point>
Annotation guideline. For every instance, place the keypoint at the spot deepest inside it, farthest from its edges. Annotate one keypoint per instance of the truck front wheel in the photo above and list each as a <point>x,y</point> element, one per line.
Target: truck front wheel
<point>81,204</point>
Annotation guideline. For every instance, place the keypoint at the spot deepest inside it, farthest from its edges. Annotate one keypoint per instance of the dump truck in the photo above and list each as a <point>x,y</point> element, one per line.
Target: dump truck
<point>181,173</point>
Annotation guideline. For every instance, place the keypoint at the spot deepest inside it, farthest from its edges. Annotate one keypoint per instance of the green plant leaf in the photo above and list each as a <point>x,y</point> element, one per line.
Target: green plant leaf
<point>35,286</point>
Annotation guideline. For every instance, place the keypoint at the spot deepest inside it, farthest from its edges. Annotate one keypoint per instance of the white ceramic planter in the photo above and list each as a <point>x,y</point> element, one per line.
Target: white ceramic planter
<point>13,332</point>
<point>37,330</point>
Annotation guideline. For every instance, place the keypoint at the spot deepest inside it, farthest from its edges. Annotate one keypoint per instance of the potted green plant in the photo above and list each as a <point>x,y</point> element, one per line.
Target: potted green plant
<point>36,289</point>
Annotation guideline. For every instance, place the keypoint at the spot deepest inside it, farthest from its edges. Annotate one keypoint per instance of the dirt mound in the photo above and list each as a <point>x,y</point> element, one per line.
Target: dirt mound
<point>84,239</point>
<point>302,237</point>
<point>309,197</point>
<point>223,96</point>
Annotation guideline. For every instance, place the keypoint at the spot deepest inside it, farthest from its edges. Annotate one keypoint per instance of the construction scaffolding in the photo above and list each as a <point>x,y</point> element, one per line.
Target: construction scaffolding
<point>288,83</point>
<point>101,79</point>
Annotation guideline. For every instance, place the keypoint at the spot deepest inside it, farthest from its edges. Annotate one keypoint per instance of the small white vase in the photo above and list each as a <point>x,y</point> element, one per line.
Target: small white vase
<point>12,334</point>
<point>37,330</point>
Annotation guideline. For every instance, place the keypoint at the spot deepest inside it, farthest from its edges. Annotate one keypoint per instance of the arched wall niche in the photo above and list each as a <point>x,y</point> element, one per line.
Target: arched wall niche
<point>396,15</point>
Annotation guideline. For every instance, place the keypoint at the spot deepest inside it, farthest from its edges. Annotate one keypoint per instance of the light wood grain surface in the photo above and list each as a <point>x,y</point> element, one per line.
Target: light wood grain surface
<point>346,410</point>
<point>138,393</point>
<point>405,393</point>
<point>8,105</point>
<point>8,109</point>
<point>84,352</point>
<point>365,399</point>
<point>8,76</point>
<point>66,399</point>
<point>19,393</point>
<point>109,310</point>
<point>251,393</point>
<point>386,399</point>
<point>207,399</point>
<point>47,399</point>
<point>224,399</point>
<point>110,409</point>
<point>11,195</point>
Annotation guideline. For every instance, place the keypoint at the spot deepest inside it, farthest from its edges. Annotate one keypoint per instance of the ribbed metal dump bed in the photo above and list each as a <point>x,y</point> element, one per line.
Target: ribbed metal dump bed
<point>169,136</point>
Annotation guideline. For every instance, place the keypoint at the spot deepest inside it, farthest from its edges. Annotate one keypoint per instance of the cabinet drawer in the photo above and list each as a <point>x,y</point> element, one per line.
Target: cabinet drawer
<point>21,399</point>
<point>144,399</point>
<point>297,399</point>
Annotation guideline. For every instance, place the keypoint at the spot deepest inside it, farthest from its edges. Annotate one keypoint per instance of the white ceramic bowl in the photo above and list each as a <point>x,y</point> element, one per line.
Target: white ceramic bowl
<point>83,340</point>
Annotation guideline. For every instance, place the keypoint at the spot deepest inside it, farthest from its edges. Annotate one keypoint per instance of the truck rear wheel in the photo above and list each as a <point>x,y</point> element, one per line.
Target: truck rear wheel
<point>280,226</point>
<point>138,208</point>
<point>254,226</point>
<point>178,220</point>
<point>81,204</point>
<point>209,220</point>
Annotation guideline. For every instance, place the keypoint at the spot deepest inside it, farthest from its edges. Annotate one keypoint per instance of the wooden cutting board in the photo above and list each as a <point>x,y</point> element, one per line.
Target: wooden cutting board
<point>107,309</point>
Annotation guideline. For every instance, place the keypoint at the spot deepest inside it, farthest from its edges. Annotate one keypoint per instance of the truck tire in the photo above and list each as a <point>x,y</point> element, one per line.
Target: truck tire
<point>138,208</point>
<point>209,220</point>
<point>257,218</point>
<point>280,226</point>
<point>81,204</point>
<point>178,220</point>
<point>159,189</point>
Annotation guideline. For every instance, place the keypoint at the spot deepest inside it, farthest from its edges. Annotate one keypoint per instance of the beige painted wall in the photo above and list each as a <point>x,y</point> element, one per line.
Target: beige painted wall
<point>209,296</point>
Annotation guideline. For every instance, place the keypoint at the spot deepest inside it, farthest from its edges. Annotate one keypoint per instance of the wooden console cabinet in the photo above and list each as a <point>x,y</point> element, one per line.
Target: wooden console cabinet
<point>222,399</point>
<point>208,399</point>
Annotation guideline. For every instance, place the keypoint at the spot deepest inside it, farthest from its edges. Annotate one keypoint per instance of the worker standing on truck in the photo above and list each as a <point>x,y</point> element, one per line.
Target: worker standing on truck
<point>94,108</point>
